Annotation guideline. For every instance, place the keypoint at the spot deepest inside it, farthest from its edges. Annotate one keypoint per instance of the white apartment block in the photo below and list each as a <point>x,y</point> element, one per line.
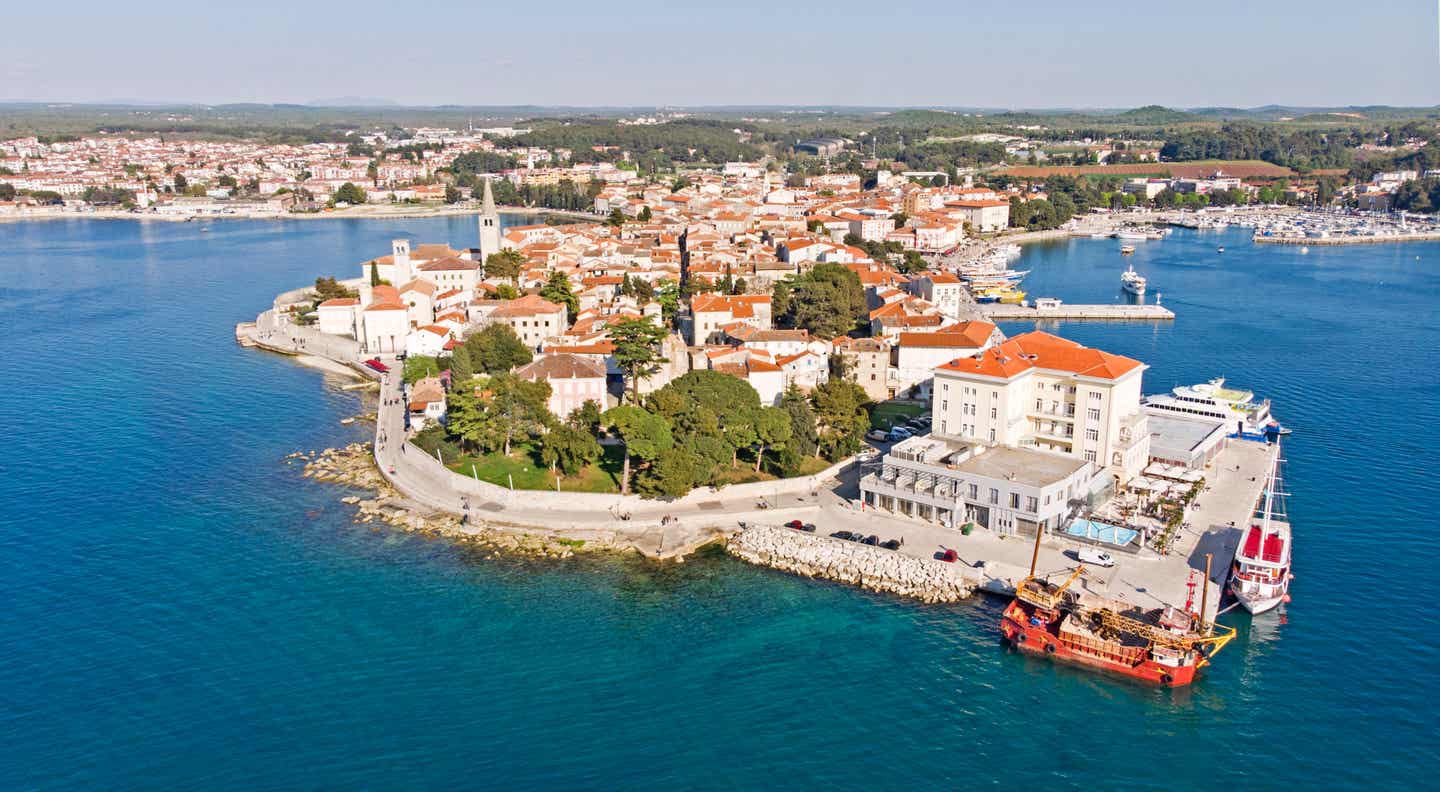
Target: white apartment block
<point>1041,391</point>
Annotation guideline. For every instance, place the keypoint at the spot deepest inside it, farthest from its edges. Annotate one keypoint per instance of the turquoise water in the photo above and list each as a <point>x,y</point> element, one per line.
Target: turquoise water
<point>180,609</point>
<point>1101,532</point>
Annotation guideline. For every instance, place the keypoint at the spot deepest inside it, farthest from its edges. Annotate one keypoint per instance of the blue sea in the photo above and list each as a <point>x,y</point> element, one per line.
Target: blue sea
<point>180,609</point>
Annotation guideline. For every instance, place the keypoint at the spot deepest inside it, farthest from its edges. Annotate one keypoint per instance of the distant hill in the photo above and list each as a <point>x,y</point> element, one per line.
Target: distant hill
<point>353,101</point>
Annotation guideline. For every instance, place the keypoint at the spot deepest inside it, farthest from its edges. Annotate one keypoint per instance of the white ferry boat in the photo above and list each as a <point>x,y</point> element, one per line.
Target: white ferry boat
<point>1238,409</point>
<point>1260,575</point>
<point>1131,233</point>
<point>1132,281</point>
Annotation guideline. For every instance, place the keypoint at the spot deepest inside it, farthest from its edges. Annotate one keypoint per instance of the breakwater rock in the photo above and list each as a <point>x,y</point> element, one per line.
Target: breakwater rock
<point>353,466</point>
<point>871,568</point>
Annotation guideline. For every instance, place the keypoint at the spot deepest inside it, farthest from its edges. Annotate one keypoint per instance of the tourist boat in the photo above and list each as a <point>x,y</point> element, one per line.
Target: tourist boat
<point>1126,250</point>
<point>1132,281</point>
<point>1260,575</point>
<point>1238,409</point>
<point>1131,233</point>
<point>1220,249</point>
<point>1162,646</point>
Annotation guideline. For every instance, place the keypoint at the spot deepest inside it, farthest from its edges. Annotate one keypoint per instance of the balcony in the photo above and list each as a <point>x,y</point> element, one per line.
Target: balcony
<point>1053,415</point>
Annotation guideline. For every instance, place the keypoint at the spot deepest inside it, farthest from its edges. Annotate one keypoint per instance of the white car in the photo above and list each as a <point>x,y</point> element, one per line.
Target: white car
<point>1100,558</point>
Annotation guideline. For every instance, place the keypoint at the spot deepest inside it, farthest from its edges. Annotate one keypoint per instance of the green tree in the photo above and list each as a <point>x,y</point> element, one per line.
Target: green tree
<point>842,417</point>
<point>828,301</point>
<point>557,290</point>
<point>496,349</point>
<point>637,350</point>
<point>350,193</point>
<point>645,215</point>
<point>567,449</point>
<point>586,418</point>
<point>462,369</point>
<point>673,474</point>
<point>453,194</point>
<point>180,182</point>
<point>616,218</point>
<point>505,263</point>
<point>644,434</point>
<point>913,262</point>
<point>517,407</point>
<point>772,431</point>
<point>805,438</point>
<point>711,403</point>
<point>375,273</point>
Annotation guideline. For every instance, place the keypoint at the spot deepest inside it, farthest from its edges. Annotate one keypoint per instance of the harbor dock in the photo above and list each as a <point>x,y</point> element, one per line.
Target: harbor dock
<point>1086,313</point>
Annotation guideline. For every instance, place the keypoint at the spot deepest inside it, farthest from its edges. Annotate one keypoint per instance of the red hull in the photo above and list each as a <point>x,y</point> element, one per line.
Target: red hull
<point>1039,640</point>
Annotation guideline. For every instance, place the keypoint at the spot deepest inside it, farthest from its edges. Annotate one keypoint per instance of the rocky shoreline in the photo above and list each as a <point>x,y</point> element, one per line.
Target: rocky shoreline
<point>353,466</point>
<point>867,567</point>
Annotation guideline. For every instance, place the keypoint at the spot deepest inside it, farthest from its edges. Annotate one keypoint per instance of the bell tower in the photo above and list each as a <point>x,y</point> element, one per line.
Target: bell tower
<point>489,225</point>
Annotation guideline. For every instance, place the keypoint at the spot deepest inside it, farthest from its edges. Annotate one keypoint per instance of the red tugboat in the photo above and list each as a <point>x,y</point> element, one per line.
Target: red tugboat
<point>1165,646</point>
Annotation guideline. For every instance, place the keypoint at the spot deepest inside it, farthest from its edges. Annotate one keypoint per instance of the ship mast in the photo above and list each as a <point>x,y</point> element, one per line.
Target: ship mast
<point>1035,555</point>
<point>1205,597</point>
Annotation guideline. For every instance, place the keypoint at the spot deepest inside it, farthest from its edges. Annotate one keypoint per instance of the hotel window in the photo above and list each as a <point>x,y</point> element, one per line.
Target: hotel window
<point>1095,396</point>
<point>1089,456</point>
<point>1039,405</point>
<point>1014,500</point>
<point>944,405</point>
<point>1032,504</point>
<point>992,435</point>
<point>994,495</point>
<point>992,412</point>
<point>1092,434</point>
<point>974,492</point>
<point>1094,413</point>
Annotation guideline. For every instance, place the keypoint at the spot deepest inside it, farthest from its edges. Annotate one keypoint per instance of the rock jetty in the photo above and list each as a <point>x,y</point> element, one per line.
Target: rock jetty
<point>872,568</point>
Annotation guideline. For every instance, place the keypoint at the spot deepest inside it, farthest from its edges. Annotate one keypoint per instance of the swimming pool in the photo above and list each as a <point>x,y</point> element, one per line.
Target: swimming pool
<point>1101,532</point>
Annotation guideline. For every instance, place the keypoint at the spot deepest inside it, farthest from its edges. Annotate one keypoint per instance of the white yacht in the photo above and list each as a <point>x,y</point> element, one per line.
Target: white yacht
<point>1260,575</point>
<point>1132,281</point>
<point>1238,409</point>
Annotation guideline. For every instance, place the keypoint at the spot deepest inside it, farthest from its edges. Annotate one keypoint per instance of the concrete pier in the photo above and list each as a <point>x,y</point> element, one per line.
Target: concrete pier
<point>999,312</point>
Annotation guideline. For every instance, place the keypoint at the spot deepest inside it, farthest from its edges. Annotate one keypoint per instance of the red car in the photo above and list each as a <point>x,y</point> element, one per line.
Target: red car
<point>375,363</point>
<point>950,556</point>
<point>796,524</point>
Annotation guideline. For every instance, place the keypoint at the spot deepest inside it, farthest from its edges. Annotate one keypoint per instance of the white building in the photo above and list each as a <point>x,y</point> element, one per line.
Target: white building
<point>1042,391</point>
<point>1012,491</point>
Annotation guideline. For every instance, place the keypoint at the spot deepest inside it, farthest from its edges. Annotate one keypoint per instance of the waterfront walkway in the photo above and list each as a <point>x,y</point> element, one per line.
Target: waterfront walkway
<point>625,521</point>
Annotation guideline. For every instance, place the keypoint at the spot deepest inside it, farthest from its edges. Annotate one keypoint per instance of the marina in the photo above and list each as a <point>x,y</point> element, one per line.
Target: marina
<point>1085,313</point>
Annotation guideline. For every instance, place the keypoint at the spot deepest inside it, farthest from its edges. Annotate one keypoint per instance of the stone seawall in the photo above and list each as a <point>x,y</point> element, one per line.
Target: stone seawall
<point>872,568</point>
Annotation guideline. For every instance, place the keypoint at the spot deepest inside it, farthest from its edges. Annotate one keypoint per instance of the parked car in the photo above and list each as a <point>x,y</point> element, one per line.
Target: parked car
<point>898,433</point>
<point>846,535</point>
<point>872,540</point>
<point>950,556</point>
<point>891,544</point>
<point>1100,558</point>
<point>808,527</point>
<point>796,524</point>
<point>876,434</point>
<point>375,364</point>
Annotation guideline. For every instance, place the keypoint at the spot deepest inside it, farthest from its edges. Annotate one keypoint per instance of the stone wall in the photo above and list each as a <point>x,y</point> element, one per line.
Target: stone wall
<point>872,568</point>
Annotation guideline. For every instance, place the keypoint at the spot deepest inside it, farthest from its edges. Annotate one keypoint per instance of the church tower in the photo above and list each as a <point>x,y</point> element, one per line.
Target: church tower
<point>489,225</point>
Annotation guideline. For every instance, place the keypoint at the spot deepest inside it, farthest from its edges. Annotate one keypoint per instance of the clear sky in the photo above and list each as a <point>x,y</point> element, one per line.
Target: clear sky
<point>1040,53</point>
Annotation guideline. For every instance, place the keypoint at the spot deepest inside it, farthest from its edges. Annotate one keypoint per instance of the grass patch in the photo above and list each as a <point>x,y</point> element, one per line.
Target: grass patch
<point>887,414</point>
<point>529,473</point>
<point>575,543</point>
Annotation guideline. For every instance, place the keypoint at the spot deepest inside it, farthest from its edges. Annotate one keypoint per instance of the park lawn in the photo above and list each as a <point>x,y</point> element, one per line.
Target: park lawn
<point>746,473</point>
<point>886,414</point>
<point>529,473</point>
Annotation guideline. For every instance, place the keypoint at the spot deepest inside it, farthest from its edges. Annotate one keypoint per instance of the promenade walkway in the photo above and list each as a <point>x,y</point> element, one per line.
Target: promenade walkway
<point>627,521</point>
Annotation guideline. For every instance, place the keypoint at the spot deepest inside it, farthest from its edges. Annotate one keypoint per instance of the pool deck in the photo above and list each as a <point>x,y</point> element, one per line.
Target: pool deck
<point>996,563</point>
